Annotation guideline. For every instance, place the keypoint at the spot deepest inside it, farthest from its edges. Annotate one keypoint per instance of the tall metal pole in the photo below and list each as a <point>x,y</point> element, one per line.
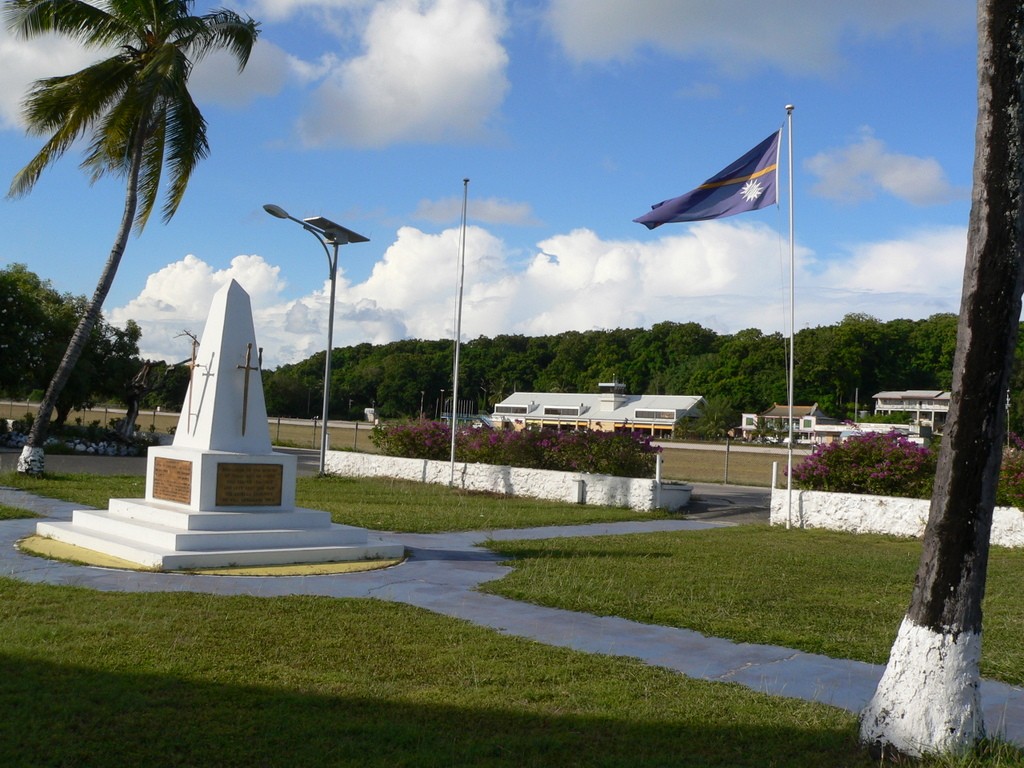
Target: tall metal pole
<point>458,329</point>
<point>792,320</point>
<point>333,263</point>
<point>325,231</point>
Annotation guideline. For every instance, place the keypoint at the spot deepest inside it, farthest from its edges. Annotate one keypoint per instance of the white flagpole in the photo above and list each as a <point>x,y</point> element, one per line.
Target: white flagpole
<point>458,331</point>
<point>792,321</point>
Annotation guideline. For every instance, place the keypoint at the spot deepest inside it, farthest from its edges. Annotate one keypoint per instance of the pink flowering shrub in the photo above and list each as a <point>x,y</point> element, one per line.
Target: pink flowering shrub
<point>415,440</point>
<point>1010,491</point>
<point>874,463</point>
<point>608,453</point>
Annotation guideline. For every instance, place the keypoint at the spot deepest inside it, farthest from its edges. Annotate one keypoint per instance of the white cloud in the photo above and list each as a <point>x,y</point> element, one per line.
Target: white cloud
<point>926,262</point>
<point>216,78</point>
<point>429,72</point>
<point>28,61</point>
<point>856,172</point>
<point>725,276</point>
<point>794,35</point>
<point>177,299</point>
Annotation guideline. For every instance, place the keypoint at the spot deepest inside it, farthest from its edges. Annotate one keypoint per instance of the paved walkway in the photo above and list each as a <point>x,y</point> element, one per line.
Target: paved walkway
<point>442,573</point>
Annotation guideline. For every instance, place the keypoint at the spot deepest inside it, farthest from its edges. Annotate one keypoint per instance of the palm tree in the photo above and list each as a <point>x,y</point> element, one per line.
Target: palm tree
<point>928,699</point>
<point>137,113</point>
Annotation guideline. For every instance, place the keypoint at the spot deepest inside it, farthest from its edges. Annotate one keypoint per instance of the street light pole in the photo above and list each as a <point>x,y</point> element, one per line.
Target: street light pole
<point>327,233</point>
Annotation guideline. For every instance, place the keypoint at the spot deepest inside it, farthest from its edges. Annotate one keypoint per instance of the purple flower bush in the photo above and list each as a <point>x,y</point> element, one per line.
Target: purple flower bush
<point>875,463</point>
<point>1010,491</point>
<point>608,453</point>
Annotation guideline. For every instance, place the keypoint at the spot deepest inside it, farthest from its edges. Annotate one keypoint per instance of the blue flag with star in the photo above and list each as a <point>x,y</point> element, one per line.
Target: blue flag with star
<point>746,185</point>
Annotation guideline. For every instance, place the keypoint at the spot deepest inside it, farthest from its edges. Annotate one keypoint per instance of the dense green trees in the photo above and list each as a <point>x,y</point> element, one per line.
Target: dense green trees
<point>837,366</point>
<point>36,322</point>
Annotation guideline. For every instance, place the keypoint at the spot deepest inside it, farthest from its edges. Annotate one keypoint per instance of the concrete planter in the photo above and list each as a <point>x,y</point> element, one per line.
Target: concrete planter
<point>572,487</point>
<point>861,513</point>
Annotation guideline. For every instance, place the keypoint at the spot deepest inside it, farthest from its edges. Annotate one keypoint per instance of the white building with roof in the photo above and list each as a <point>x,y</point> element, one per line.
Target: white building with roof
<point>928,406</point>
<point>609,410</point>
<point>810,424</point>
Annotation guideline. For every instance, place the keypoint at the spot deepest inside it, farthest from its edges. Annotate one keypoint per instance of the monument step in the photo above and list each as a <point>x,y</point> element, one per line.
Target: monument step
<point>173,538</point>
<point>164,559</point>
<point>177,516</point>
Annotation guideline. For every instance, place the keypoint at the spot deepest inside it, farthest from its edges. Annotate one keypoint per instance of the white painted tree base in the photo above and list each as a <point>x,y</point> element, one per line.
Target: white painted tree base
<point>31,461</point>
<point>928,700</point>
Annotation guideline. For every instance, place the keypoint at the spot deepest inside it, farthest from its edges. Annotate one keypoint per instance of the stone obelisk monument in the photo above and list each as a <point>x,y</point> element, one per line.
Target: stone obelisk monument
<point>220,495</point>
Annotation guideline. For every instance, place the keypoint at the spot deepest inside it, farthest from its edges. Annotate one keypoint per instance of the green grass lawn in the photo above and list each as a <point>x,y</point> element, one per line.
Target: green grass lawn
<point>100,679</point>
<point>837,594</point>
<point>377,503</point>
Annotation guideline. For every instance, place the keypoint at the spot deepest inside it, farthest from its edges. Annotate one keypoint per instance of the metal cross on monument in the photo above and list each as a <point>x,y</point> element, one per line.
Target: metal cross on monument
<point>245,392</point>
<point>207,375</point>
<point>191,363</point>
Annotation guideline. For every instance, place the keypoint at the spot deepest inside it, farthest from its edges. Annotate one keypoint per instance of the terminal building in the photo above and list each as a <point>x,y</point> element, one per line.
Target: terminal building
<point>611,409</point>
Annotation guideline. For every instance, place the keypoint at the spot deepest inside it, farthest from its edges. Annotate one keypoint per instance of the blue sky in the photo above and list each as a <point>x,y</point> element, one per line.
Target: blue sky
<point>570,118</point>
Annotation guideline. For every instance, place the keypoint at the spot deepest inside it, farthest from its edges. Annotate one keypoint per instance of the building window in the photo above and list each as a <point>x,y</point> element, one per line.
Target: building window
<point>650,415</point>
<point>510,410</point>
<point>555,410</point>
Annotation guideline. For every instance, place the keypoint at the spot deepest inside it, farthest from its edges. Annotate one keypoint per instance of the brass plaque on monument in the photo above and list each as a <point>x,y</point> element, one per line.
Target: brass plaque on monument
<point>249,485</point>
<point>172,480</point>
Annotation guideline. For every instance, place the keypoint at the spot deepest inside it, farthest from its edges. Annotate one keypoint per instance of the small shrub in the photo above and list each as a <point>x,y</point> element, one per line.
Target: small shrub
<point>874,463</point>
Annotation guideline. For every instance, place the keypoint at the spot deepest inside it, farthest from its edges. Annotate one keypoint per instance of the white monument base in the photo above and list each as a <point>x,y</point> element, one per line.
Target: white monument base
<point>164,536</point>
<point>214,509</point>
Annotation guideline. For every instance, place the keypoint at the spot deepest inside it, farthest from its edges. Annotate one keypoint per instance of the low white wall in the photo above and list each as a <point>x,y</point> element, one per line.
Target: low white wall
<point>572,487</point>
<point>860,513</point>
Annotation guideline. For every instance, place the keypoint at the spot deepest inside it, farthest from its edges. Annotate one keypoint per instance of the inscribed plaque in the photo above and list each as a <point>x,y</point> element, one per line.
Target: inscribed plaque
<point>249,485</point>
<point>172,480</point>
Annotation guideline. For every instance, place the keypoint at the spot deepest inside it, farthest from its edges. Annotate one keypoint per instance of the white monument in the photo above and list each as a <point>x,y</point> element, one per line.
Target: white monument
<point>219,495</point>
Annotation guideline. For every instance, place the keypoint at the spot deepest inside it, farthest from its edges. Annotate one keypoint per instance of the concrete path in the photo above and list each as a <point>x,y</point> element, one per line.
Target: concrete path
<point>442,573</point>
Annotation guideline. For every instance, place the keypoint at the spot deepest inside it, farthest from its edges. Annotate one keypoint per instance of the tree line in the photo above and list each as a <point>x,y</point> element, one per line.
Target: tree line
<point>839,366</point>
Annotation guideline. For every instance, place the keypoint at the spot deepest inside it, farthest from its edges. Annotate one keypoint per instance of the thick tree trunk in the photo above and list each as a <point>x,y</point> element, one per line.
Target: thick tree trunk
<point>33,458</point>
<point>928,698</point>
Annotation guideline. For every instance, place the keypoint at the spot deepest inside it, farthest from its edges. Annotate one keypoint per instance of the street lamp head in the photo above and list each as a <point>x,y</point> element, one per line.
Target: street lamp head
<point>276,210</point>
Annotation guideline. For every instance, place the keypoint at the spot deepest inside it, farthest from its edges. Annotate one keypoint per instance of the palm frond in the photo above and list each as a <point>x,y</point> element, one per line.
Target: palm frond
<point>186,146</point>
<point>226,29</point>
<point>87,23</point>
<point>152,169</point>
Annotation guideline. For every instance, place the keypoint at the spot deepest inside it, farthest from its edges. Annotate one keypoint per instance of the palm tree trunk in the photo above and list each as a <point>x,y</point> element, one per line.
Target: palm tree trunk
<point>928,699</point>
<point>33,457</point>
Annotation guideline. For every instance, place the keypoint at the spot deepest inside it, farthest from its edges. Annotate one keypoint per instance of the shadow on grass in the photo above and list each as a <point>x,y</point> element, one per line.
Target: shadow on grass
<point>59,715</point>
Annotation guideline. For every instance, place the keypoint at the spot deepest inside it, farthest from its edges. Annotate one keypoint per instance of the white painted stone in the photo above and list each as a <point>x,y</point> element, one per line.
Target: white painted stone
<point>928,700</point>
<point>889,515</point>
<point>573,487</point>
